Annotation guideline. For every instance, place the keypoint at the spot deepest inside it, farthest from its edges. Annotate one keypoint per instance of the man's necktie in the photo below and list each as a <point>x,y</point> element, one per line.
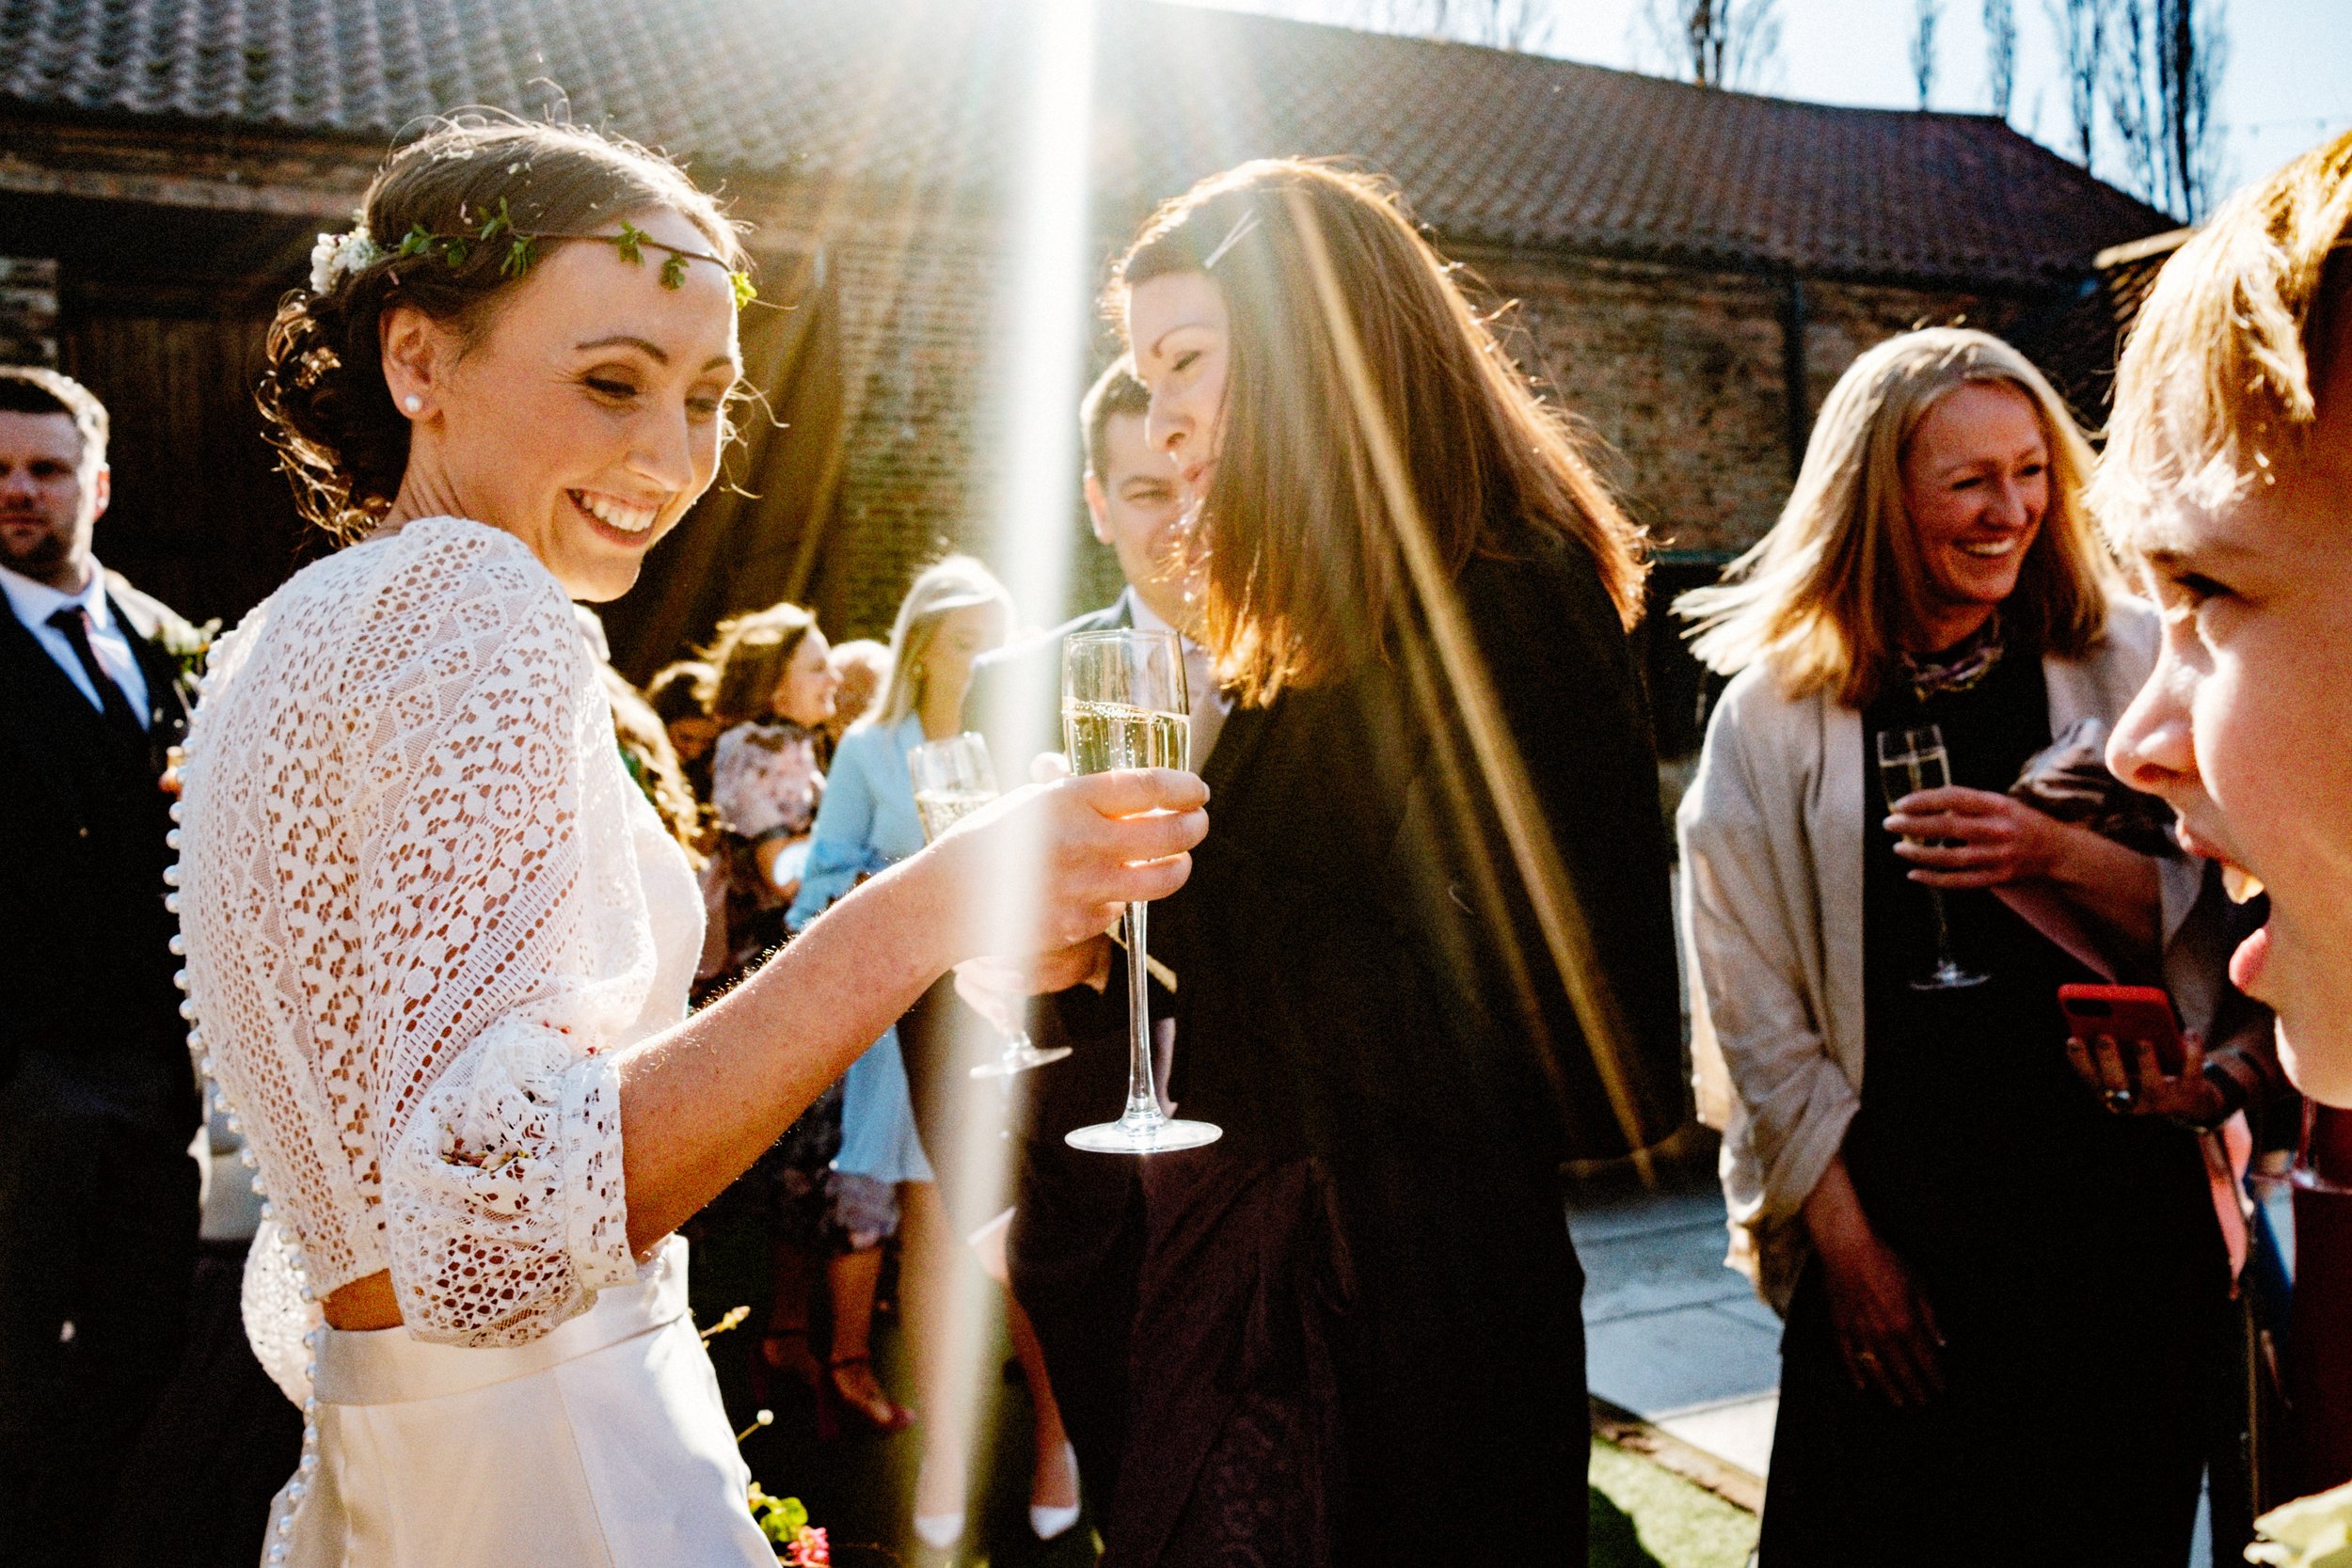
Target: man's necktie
<point>1208,706</point>
<point>74,621</point>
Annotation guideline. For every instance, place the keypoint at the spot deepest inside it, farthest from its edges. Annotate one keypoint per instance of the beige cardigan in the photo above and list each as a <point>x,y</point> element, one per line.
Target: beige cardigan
<point>1772,921</point>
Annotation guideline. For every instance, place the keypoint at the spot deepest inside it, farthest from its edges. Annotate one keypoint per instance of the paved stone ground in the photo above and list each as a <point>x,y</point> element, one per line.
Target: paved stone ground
<point>1671,1334</point>
<point>1675,1336</point>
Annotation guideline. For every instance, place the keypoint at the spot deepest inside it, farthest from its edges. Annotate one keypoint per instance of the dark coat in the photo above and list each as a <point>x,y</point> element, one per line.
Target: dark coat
<point>86,973</point>
<point>1370,1277</point>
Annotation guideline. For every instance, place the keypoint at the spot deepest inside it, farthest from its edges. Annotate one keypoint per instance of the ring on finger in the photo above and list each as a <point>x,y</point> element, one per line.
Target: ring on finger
<point>2118,1101</point>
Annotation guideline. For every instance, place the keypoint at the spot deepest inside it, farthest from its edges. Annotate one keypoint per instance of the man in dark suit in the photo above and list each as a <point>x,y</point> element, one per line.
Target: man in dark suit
<point>98,1098</point>
<point>1074,1245</point>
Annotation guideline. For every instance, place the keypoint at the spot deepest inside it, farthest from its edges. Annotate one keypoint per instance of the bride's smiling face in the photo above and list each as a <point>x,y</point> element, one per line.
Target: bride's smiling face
<point>585,414</point>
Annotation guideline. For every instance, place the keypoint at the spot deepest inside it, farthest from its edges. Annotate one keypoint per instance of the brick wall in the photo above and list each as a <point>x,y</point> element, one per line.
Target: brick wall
<point>1678,371</point>
<point>923,318</point>
<point>28,311</point>
<point>1681,374</point>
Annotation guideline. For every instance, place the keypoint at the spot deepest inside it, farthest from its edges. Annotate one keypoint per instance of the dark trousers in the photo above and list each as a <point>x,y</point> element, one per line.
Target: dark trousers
<point>97,1222</point>
<point>221,1441</point>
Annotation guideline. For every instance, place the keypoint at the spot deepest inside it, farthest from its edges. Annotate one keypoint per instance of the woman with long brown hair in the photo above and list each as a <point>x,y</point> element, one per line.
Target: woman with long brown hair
<point>1427,955</point>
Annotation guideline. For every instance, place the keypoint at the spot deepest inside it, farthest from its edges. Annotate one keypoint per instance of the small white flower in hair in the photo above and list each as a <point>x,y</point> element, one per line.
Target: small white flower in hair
<point>338,254</point>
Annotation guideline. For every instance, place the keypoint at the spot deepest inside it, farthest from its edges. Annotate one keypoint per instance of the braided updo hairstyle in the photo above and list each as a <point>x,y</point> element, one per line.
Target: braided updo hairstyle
<point>323,395</point>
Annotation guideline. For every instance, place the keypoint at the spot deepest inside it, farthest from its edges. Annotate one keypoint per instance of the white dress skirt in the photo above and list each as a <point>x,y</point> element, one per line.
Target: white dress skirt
<point>601,1444</point>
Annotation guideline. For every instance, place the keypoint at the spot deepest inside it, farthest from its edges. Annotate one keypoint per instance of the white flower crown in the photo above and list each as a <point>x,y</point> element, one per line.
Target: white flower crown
<point>338,254</point>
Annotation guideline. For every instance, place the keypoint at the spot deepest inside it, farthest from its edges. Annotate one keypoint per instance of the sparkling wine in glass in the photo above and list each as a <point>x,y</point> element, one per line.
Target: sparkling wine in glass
<point>952,780</point>
<point>1124,705</point>
<point>1910,761</point>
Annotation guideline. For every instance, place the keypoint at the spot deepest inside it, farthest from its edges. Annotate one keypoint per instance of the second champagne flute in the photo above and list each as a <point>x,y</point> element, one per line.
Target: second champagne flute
<point>1124,705</point>
<point>1911,760</point>
<point>952,780</point>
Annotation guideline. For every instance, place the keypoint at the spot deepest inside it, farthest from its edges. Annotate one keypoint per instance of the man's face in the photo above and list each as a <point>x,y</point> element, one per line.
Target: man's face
<point>1138,511</point>
<point>2242,727</point>
<point>48,500</point>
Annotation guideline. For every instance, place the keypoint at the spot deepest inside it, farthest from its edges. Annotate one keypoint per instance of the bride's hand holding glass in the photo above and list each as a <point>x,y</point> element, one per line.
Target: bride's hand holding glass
<point>1052,866</point>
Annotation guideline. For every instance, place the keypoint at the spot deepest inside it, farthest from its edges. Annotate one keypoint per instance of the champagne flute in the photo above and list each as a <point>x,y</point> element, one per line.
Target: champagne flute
<point>1124,705</point>
<point>1910,761</point>
<point>952,780</point>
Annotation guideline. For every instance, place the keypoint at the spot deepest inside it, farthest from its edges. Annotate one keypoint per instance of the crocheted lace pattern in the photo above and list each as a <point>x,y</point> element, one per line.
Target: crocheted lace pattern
<point>418,896</point>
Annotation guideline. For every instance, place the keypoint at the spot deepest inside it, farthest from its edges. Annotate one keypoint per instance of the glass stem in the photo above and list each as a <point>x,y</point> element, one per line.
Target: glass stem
<point>1943,960</point>
<point>1143,1102</point>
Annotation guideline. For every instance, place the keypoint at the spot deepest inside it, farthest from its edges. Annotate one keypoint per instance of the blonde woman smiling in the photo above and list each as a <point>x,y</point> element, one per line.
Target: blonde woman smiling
<point>1996,1292</point>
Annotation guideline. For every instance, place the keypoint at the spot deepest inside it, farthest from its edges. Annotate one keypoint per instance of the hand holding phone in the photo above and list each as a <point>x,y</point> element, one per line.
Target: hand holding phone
<point>2127,1045</point>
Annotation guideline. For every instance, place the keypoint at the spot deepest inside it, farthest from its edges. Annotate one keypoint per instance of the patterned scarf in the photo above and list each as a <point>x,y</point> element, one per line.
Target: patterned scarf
<point>1957,668</point>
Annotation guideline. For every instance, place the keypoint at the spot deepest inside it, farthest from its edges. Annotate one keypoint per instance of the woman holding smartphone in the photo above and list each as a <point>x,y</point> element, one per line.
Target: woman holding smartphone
<point>1999,1295</point>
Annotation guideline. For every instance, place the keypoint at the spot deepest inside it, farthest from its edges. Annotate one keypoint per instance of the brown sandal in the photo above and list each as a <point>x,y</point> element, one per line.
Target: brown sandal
<point>892,1416</point>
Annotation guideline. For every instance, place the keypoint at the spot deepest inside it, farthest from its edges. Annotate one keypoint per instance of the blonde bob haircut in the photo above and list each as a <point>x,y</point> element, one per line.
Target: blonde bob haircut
<point>954,582</point>
<point>1824,598</point>
<point>2220,381</point>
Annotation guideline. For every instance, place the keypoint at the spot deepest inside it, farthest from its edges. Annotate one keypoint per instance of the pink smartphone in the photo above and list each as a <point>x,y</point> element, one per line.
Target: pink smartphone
<point>2126,1015</point>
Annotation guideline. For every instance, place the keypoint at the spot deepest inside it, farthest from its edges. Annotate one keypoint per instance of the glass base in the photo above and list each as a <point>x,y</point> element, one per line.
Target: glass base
<point>1019,1056</point>
<point>1948,976</point>
<point>1151,1134</point>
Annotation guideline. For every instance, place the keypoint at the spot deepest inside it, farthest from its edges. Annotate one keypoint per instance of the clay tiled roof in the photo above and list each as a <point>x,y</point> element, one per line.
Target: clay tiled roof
<point>1510,149</point>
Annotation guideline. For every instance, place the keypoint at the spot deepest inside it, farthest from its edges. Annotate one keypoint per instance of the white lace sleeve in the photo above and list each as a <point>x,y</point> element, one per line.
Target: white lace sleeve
<point>497,975</point>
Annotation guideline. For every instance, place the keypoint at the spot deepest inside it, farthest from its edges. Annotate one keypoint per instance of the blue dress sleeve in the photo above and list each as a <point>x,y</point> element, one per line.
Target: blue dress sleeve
<point>842,846</point>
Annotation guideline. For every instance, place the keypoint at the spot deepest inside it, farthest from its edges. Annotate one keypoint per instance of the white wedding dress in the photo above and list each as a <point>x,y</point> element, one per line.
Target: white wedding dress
<point>422,906</point>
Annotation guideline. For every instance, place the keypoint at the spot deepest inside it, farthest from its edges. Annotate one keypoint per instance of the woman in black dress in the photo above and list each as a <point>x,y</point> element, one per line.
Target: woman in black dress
<point>1430,955</point>
<point>1999,1295</point>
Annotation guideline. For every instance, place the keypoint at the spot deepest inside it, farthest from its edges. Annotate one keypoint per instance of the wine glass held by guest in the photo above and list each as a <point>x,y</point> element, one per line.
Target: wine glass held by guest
<point>438,946</point>
<point>1398,1012</point>
<point>1965,1246</point>
<point>884,1175</point>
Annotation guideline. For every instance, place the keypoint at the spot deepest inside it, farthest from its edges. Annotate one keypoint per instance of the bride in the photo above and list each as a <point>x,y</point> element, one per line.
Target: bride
<point>437,944</point>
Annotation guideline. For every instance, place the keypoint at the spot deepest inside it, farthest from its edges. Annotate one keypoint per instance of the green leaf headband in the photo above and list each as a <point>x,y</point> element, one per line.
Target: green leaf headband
<point>336,255</point>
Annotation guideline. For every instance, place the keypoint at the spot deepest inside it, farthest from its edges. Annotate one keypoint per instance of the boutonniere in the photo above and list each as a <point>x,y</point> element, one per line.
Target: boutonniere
<point>188,645</point>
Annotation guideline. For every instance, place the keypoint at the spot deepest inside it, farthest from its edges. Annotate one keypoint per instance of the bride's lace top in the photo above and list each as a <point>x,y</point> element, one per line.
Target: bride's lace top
<point>422,903</point>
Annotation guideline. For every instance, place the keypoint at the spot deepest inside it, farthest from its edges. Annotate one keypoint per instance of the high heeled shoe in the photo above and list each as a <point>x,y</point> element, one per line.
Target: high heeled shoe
<point>940,1532</point>
<point>1045,1522</point>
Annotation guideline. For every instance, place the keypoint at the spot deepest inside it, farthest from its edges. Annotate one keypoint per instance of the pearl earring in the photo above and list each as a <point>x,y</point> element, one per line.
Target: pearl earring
<point>412,403</point>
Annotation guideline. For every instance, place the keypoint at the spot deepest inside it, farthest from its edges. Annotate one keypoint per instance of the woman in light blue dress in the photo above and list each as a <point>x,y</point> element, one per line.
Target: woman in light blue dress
<point>883,1177</point>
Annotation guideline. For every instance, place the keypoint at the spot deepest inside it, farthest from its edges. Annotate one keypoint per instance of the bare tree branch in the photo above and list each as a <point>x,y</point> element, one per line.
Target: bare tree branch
<point>2082,37</point>
<point>2000,53</point>
<point>2191,48</point>
<point>1924,16</point>
<point>2125,78</point>
<point>1716,43</point>
<point>2164,64</point>
<point>1522,25</point>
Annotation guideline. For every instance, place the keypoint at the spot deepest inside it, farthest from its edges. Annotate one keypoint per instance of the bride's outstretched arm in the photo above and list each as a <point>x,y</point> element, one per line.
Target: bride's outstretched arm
<point>700,1100</point>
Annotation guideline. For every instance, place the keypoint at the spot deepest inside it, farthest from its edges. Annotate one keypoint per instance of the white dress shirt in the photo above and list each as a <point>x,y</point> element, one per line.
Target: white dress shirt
<point>1210,702</point>
<point>35,602</point>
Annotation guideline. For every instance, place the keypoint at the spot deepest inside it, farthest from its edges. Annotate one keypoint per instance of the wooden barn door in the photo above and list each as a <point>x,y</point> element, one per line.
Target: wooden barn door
<point>201,517</point>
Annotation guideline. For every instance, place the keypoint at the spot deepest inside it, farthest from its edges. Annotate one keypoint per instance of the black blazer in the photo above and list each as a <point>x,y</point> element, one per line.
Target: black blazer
<point>1367,986</point>
<point>86,976</point>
